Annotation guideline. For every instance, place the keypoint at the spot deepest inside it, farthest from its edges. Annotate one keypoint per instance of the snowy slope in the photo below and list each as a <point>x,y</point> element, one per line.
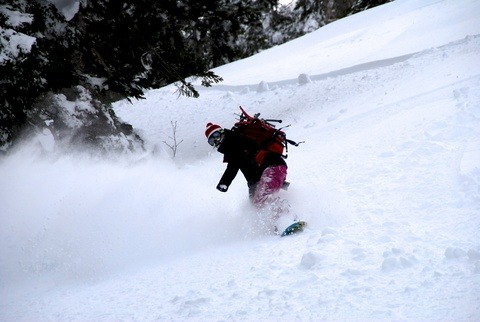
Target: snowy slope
<point>388,180</point>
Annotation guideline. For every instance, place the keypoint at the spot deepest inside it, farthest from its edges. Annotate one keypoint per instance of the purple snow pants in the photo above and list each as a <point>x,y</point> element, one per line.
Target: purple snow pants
<point>270,183</point>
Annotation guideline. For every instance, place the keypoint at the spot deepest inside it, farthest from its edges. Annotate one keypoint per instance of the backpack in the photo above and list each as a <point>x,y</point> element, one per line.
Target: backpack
<point>263,132</point>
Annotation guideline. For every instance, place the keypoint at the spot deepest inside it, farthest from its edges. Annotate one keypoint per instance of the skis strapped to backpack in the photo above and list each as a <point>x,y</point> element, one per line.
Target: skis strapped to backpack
<point>268,138</point>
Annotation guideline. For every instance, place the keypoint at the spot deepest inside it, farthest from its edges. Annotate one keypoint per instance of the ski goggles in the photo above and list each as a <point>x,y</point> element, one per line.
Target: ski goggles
<point>216,138</point>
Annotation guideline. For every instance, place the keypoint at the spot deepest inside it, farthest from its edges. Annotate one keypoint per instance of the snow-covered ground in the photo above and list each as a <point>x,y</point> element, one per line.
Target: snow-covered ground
<point>388,179</point>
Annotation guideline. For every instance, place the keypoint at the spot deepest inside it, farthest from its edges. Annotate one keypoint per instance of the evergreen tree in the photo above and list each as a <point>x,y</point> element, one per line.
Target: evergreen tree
<point>287,22</point>
<point>115,49</point>
<point>24,76</point>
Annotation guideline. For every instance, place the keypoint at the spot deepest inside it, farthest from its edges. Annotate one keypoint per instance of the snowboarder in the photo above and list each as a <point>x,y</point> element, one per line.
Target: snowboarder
<point>264,180</point>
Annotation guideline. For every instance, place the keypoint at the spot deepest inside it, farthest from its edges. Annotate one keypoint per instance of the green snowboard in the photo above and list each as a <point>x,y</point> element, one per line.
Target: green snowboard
<point>294,228</point>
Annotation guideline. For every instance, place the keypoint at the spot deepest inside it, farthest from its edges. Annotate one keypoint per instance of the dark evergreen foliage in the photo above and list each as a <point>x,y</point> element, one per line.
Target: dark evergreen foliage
<point>28,75</point>
<point>304,16</point>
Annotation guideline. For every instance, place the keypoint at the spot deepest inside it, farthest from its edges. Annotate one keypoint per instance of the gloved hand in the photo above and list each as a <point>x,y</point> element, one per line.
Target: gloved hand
<point>222,187</point>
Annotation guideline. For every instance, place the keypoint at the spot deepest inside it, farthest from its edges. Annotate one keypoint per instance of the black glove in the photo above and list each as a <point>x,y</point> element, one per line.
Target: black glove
<point>222,187</point>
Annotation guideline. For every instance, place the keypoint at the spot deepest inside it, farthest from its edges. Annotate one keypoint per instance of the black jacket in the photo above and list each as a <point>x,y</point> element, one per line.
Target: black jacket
<point>239,153</point>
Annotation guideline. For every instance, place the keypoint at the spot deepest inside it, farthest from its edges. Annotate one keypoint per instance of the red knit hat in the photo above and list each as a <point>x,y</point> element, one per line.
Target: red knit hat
<point>211,128</point>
